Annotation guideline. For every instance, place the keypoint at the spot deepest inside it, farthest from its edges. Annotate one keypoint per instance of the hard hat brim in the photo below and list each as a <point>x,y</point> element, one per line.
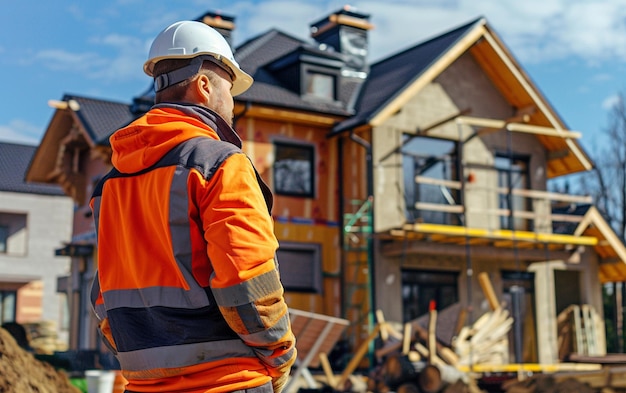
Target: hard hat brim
<point>241,83</point>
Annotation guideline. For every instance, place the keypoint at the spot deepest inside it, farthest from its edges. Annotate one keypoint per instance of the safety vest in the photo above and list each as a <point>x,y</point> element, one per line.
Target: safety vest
<point>164,322</point>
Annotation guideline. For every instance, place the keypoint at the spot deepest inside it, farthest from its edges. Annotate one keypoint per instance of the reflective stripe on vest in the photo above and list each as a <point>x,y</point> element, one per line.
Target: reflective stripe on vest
<point>164,327</point>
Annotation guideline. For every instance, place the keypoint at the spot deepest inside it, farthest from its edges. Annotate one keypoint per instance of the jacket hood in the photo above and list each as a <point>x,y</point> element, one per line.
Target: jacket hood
<point>144,141</point>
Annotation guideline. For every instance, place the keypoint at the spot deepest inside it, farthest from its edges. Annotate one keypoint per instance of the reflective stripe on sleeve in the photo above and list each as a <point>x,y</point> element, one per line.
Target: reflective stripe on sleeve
<point>248,291</point>
<point>269,335</point>
<point>275,362</point>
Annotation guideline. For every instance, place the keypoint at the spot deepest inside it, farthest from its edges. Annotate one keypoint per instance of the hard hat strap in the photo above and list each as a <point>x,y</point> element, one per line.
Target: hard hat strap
<point>171,78</point>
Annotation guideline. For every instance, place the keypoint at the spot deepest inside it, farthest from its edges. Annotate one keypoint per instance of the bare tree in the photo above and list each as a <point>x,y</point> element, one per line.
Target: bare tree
<point>606,183</point>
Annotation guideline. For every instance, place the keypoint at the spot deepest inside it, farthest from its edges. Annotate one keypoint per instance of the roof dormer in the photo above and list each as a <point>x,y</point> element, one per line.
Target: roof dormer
<point>312,73</point>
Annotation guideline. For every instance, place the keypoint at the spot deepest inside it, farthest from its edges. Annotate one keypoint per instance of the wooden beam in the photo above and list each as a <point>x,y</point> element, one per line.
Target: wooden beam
<point>421,247</point>
<point>358,356</point>
<point>534,94</point>
<point>490,294</point>
<point>266,112</point>
<point>501,234</point>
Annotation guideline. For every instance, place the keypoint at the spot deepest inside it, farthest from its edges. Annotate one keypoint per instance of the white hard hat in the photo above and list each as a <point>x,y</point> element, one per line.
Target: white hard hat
<point>189,39</point>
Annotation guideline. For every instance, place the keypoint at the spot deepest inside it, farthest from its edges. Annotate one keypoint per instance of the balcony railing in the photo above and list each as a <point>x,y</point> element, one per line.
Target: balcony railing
<point>536,197</point>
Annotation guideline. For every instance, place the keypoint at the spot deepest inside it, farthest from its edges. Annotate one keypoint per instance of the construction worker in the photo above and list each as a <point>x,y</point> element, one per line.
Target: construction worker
<point>187,290</point>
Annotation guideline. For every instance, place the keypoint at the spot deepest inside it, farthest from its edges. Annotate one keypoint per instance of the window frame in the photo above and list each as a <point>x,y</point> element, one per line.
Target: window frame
<point>518,166</point>
<point>316,278</point>
<point>328,78</point>
<point>444,284</point>
<point>309,70</point>
<point>279,187</point>
<point>446,161</point>
<point>4,239</point>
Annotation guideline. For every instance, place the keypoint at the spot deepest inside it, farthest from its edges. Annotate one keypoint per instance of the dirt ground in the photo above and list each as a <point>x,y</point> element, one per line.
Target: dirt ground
<point>20,372</point>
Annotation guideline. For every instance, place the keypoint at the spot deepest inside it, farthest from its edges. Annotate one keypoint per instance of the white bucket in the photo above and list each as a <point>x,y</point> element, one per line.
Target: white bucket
<point>100,381</point>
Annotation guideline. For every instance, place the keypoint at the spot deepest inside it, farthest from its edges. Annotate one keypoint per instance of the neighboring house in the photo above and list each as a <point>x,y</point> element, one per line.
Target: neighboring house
<point>395,183</point>
<point>35,221</point>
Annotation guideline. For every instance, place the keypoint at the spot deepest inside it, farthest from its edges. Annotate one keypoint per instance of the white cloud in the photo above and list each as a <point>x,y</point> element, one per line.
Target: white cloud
<point>62,60</point>
<point>126,60</point>
<point>535,30</point>
<point>610,102</point>
<point>19,131</point>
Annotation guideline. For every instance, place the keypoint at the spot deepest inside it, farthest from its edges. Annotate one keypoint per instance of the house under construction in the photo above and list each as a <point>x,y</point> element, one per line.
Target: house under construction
<point>397,184</point>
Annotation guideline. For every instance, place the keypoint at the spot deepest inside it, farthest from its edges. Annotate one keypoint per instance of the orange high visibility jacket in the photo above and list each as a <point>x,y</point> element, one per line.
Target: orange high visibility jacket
<point>187,289</point>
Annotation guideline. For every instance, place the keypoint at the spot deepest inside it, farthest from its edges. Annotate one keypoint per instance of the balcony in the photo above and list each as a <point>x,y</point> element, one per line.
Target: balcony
<point>481,223</point>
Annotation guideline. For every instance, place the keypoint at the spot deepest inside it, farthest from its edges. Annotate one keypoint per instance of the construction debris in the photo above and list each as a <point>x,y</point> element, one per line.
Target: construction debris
<point>485,342</point>
<point>424,356</point>
<point>20,372</point>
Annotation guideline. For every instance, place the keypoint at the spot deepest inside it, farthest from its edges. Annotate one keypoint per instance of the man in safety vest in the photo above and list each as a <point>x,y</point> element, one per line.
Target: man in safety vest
<point>187,291</point>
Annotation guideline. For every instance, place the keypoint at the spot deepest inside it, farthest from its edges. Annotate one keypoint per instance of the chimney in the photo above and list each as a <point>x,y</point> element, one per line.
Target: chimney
<point>224,24</point>
<point>346,32</point>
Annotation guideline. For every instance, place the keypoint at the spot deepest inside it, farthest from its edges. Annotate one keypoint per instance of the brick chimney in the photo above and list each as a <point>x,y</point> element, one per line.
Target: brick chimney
<point>346,32</point>
<point>224,24</point>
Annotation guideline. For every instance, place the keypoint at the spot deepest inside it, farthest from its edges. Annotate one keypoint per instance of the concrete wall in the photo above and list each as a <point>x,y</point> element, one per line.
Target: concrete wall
<point>463,86</point>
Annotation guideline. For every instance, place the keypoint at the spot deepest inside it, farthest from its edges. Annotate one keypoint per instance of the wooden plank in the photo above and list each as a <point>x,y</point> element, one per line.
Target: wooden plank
<point>328,371</point>
<point>578,331</point>
<point>315,333</point>
<point>589,329</point>
<point>530,367</point>
<point>490,294</point>
<point>354,362</point>
<point>432,335</point>
<point>406,340</point>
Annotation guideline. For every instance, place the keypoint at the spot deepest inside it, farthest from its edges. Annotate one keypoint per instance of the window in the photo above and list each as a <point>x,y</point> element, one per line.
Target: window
<point>294,169</point>
<point>513,174</point>
<point>8,300</point>
<point>13,233</point>
<point>300,266</point>
<point>420,287</point>
<point>430,158</point>
<point>320,85</point>
<point>4,237</point>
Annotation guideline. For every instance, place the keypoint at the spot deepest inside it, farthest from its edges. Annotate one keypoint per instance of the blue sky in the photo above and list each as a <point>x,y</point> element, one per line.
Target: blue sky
<point>573,50</point>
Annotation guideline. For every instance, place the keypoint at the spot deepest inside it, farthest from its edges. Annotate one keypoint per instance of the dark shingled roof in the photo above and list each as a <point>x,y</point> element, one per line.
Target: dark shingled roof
<point>14,161</point>
<point>386,79</point>
<point>254,57</point>
<point>101,118</point>
<point>390,76</point>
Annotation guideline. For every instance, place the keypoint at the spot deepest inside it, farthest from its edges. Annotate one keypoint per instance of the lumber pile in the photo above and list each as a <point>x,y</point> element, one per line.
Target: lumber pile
<point>486,341</point>
<point>412,358</point>
<point>421,356</point>
<point>578,332</point>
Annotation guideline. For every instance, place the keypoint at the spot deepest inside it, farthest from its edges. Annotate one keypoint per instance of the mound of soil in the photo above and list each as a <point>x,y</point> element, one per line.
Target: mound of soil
<point>20,372</point>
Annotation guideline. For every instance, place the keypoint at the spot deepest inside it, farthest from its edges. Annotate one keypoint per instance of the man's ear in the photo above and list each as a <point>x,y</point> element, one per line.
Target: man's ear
<point>202,87</point>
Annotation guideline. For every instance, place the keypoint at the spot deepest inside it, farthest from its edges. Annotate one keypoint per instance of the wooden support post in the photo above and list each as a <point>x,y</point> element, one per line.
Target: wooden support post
<point>354,362</point>
<point>328,371</point>
<point>384,333</point>
<point>406,340</point>
<point>432,335</point>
